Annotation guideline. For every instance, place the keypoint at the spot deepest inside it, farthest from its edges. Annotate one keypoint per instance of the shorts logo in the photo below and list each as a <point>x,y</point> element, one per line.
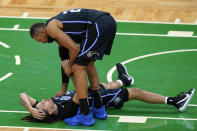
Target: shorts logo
<point>65,98</point>
<point>91,53</point>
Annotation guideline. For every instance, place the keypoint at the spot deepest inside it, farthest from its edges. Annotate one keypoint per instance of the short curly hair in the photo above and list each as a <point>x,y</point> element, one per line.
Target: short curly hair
<point>36,28</point>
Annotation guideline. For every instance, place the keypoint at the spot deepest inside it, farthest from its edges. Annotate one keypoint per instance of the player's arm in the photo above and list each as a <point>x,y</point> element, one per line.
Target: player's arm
<point>28,103</point>
<point>54,30</point>
<point>65,81</point>
<point>64,55</point>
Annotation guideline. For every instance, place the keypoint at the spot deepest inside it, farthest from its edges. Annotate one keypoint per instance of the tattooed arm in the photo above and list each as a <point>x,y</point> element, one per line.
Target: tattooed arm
<point>28,102</point>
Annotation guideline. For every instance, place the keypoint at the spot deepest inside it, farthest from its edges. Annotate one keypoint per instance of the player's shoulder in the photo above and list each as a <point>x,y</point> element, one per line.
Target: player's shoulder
<point>53,22</point>
<point>52,27</point>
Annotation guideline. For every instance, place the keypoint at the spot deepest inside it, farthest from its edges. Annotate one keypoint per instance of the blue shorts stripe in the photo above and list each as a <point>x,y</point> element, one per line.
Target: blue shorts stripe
<point>74,32</point>
<point>77,22</point>
<point>85,41</point>
<point>114,97</point>
<point>98,34</point>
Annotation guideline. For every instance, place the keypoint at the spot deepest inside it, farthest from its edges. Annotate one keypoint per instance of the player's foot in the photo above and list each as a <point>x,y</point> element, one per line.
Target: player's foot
<point>123,75</point>
<point>80,119</point>
<point>99,113</point>
<point>183,99</point>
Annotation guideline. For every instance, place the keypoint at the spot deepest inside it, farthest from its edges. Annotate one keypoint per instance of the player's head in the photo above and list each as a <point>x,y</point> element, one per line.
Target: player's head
<point>38,32</point>
<point>46,106</point>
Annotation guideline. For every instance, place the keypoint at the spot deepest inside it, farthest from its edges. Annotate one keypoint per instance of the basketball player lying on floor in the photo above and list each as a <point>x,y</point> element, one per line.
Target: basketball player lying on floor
<point>55,109</point>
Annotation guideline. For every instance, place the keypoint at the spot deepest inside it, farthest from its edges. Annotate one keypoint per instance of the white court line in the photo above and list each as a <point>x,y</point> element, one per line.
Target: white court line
<point>154,22</point>
<point>142,119</point>
<point>180,33</point>
<point>159,35</point>
<point>177,20</point>
<point>11,29</point>
<point>111,71</point>
<point>4,45</point>
<point>131,34</point>
<point>60,129</point>
<point>26,129</point>
<point>7,111</point>
<point>138,119</point>
<point>132,119</point>
<point>195,22</point>
<point>127,119</point>
<point>6,76</point>
<point>25,15</point>
<point>15,27</point>
<point>192,105</point>
<point>18,60</point>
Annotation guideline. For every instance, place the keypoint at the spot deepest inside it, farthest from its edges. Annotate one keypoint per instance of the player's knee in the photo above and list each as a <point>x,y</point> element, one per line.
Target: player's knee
<point>76,68</point>
<point>136,92</point>
<point>105,85</point>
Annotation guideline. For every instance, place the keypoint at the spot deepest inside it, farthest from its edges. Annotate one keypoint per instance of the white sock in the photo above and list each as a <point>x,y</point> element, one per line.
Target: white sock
<point>119,81</point>
<point>166,100</point>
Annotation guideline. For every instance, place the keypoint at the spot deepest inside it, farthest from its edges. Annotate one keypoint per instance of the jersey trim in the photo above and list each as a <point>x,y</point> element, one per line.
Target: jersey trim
<point>114,96</point>
<point>74,32</point>
<point>77,22</point>
<point>98,34</point>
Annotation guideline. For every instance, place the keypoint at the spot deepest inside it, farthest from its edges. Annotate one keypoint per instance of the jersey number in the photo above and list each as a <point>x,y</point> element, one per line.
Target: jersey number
<point>73,10</point>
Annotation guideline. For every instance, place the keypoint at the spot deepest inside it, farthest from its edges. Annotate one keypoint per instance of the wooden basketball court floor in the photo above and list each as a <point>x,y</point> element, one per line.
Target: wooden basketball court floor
<point>157,38</point>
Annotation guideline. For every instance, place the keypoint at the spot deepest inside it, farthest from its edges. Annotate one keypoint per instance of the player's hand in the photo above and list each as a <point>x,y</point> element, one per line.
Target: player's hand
<point>67,67</point>
<point>37,114</point>
<point>60,93</point>
<point>68,71</point>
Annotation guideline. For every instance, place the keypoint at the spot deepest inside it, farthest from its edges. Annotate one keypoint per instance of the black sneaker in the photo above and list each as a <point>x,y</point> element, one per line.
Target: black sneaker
<point>123,75</point>
<point>183,99</point>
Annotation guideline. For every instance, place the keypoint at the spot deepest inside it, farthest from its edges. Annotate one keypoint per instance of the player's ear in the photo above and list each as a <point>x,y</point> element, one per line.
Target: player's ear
<point>50,112</point>
<point>43,30</point>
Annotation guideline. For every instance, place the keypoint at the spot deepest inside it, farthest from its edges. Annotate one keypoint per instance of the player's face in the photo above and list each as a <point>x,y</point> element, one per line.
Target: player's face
<point>46,105</point>
<point>41,37</point>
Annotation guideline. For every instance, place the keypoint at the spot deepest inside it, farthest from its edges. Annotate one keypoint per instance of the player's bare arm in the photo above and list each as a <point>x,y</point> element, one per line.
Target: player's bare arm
<point>54,30</point>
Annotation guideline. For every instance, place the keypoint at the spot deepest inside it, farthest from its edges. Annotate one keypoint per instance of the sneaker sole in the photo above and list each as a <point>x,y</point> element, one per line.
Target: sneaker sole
<point>80,123</point>
<point>183,108</point>
<point>132,82</point>
<point>98,116</point>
